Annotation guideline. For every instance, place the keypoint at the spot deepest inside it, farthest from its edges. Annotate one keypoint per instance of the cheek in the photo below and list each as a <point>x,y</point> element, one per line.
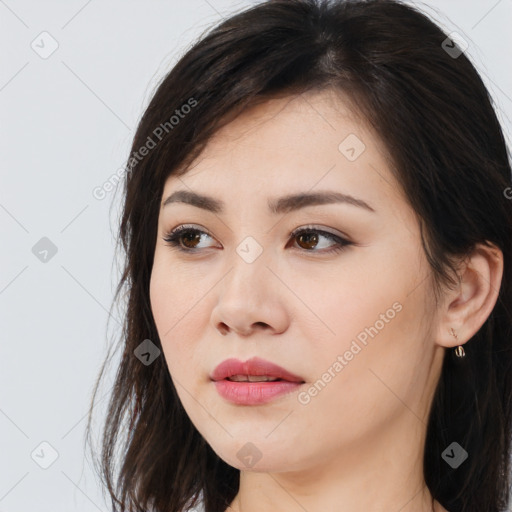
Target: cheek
<point>175,302</point>
<point>357,387</point>
<point>340,304</point>
<point>370,334</point>
<point>175,295</point>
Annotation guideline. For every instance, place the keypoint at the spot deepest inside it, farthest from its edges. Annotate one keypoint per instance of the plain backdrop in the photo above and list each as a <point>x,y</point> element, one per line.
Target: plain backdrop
<point>74,80</point>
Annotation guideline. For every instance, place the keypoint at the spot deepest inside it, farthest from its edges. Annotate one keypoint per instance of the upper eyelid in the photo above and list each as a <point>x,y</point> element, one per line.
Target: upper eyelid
<point>191,227</point>
<point>319,229</point>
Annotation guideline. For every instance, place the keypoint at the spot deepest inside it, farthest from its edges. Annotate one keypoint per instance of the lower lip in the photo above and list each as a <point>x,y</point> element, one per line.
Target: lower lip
<point>254,393</point>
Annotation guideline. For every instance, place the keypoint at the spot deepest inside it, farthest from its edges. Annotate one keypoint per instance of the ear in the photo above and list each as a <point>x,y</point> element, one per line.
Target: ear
<point>467,307</point>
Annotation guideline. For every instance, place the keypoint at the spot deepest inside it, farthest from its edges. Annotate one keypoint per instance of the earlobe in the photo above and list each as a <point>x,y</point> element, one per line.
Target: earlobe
<point>467,307</point>
<point>459,351</point>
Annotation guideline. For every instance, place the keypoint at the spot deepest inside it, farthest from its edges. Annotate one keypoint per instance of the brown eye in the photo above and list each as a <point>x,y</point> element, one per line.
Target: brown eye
<point>189,238</point>
<point>185,238</point>
<point>309,239</point>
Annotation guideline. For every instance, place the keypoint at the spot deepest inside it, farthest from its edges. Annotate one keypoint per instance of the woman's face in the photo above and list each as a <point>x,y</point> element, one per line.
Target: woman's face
<point>354,324</point>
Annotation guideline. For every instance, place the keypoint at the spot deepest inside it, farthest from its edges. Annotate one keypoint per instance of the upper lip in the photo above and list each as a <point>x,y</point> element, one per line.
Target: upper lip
<point>253,366</point>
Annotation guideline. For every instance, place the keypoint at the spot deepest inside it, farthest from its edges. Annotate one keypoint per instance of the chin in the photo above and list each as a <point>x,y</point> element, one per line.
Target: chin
<point>257,456</point>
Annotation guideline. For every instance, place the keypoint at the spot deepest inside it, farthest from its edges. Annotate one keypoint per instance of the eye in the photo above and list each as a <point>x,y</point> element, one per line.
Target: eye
<point>310,237</point>
<point>191,236</point>
<point>186,239</point>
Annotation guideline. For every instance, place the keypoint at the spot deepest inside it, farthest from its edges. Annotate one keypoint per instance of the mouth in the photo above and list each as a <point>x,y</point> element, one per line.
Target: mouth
<point>253,370</point>
<point>254,382</point>
<point>252,378</point>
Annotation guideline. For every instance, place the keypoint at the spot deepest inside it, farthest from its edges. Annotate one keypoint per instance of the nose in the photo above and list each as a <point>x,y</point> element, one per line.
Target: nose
<point>250,299</point>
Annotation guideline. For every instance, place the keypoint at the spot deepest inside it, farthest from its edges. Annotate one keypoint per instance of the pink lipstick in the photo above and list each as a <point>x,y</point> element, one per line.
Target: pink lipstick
<point>254,382</point>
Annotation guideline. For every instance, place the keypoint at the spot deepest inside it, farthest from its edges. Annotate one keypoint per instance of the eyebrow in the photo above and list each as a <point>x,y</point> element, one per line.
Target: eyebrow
<point>276,206</point>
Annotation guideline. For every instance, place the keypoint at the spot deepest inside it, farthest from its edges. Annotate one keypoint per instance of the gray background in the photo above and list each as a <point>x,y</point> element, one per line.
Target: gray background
<point>67,123</point>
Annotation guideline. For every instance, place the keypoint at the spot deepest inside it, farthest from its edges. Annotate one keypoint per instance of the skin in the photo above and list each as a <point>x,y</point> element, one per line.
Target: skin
<point>359,441</point>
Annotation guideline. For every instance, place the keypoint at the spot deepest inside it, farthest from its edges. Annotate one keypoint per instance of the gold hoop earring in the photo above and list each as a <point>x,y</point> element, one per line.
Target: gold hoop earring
<point>459,351</point>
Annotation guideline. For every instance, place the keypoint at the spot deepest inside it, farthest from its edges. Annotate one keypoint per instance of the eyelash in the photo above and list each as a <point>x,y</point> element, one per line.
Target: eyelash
<point>172,239</point>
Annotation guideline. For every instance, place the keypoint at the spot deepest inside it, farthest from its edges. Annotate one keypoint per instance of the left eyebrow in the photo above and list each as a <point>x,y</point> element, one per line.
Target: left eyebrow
<point>276,206</point>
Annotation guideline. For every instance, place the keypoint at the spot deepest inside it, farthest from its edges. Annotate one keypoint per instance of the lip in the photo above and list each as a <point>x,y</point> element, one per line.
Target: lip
<point>253,393</point>
<point>253,366</point>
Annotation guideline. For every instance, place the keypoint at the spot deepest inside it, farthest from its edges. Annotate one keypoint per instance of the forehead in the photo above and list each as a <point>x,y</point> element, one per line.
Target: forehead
<point>291,144</point>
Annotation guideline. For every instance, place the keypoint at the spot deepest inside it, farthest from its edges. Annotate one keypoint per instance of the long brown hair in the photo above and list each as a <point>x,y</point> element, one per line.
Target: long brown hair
<point>436,118</point>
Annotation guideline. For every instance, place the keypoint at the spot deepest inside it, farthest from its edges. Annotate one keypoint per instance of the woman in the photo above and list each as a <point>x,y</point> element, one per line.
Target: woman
<point>318,197</point>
